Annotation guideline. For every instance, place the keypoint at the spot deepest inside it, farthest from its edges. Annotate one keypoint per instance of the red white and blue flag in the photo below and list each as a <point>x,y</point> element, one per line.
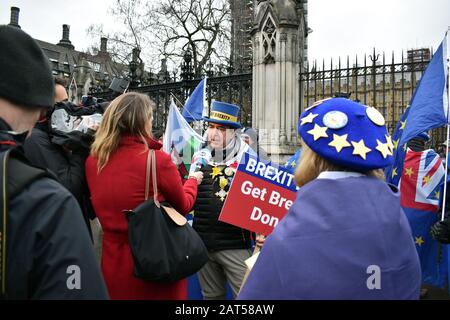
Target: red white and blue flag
<point>420,192</point>
<point>421,182</point>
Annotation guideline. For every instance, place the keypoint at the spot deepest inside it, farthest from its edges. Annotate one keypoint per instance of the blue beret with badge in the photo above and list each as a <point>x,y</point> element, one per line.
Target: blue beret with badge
<point>347,134</point>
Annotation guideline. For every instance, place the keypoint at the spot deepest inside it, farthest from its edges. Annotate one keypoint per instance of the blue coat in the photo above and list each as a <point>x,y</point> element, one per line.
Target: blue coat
<point>329,242</point>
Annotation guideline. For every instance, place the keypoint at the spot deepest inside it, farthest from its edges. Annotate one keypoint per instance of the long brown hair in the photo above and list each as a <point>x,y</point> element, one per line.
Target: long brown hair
<point>128,114</point>
<point>311,165</point>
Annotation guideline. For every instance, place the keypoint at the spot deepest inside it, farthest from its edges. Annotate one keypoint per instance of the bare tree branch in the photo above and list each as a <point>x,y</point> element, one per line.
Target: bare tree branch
<point>166,28</point>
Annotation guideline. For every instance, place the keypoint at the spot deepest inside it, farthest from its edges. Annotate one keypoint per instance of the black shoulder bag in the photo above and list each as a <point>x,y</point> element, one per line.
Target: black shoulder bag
<point>164,246</point>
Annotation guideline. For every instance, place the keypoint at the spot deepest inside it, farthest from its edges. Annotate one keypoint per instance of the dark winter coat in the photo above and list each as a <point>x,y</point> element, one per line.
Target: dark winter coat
<point>68,166</point>
<point>49,252</point>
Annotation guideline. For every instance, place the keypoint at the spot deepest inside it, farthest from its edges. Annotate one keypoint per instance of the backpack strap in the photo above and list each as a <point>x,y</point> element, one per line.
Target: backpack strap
<point>15,175</point>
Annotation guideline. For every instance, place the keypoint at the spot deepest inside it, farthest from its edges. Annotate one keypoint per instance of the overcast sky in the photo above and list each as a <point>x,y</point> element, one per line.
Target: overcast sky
<point>340,27</point>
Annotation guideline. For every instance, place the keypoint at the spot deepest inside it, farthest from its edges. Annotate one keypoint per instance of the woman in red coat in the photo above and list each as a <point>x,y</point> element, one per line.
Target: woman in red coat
<point>115,173</point>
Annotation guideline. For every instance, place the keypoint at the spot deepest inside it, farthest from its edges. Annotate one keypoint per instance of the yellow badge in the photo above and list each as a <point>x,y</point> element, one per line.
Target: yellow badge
<point>223,183</point>
<point>216,171</point>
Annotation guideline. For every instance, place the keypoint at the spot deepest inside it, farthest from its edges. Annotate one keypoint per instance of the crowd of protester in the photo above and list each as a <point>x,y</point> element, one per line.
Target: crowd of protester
<point>64,169</point>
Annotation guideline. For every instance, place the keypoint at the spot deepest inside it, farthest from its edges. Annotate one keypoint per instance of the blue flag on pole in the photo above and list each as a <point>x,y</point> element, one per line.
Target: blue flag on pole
<point>393,173</point>
<point>429,106</point>
<point>420,175</point>
<point>195,104</point>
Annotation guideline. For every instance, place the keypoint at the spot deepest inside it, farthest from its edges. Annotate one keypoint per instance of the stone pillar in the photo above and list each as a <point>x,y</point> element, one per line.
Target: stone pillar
<point>277,55</point>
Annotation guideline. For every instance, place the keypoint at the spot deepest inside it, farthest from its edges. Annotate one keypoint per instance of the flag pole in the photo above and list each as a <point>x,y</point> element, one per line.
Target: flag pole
<point>447,125</point>
<point>173,96</point>
<point>446,174</point>
<point>182,108</point>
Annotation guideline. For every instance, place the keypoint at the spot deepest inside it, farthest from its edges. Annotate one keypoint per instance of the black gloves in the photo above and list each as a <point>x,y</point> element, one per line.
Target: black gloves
<point>441,231</point>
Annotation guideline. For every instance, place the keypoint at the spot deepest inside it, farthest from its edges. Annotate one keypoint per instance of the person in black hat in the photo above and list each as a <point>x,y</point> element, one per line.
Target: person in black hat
<point>228,246</point>
<point>46,251</point>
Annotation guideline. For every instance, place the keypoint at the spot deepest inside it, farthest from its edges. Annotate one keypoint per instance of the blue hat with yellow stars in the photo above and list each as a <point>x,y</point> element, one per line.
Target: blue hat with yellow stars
<point>347,134</point>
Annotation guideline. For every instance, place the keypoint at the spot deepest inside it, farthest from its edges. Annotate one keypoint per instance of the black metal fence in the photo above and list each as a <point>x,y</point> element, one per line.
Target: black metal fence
<point>378,81</point>
<point>233,88</point>
<point>385,83</point>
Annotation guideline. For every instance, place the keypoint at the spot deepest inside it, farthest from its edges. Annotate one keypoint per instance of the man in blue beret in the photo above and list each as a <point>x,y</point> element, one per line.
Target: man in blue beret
<point>345,237</point>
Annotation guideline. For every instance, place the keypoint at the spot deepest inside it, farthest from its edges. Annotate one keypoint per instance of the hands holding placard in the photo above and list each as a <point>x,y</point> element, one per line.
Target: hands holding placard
<point>260,239</point>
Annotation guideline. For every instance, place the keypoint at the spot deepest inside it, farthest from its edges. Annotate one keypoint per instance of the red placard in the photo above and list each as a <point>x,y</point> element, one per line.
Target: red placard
<point>257,201</point>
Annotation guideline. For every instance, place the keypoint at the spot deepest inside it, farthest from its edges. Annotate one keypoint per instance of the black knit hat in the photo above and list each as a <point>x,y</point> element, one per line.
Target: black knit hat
<point>25,75</point>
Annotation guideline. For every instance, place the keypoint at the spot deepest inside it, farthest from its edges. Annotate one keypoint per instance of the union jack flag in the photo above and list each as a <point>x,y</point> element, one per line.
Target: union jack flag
<point>421,181</point>
<point>420,192</point>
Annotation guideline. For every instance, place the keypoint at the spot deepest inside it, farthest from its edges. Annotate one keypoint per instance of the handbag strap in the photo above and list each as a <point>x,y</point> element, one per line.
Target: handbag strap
<point>151,159</point>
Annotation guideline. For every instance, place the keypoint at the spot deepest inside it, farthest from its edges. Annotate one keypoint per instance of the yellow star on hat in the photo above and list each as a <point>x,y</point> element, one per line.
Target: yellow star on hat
<point>384,149</point>
<point>318,132</point>
<point>339,142</point>
<point>360,149</point>
<point>309,119</point>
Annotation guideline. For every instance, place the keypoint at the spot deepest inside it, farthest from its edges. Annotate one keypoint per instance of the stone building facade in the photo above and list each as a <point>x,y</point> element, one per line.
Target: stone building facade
<point>84,72</point>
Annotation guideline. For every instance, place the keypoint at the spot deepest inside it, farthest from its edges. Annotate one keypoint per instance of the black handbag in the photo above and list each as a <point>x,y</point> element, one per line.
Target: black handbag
<point>164,246</point>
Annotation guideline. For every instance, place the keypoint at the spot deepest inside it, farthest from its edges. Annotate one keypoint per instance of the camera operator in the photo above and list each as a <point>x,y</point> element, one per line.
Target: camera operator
<point>64,153</point>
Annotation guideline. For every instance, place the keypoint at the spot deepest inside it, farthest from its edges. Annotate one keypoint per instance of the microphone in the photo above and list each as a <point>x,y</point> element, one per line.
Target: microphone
<point>201,159</point>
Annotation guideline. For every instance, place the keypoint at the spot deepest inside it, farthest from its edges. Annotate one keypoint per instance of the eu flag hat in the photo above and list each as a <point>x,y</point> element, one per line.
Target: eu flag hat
<point>347,134</point>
